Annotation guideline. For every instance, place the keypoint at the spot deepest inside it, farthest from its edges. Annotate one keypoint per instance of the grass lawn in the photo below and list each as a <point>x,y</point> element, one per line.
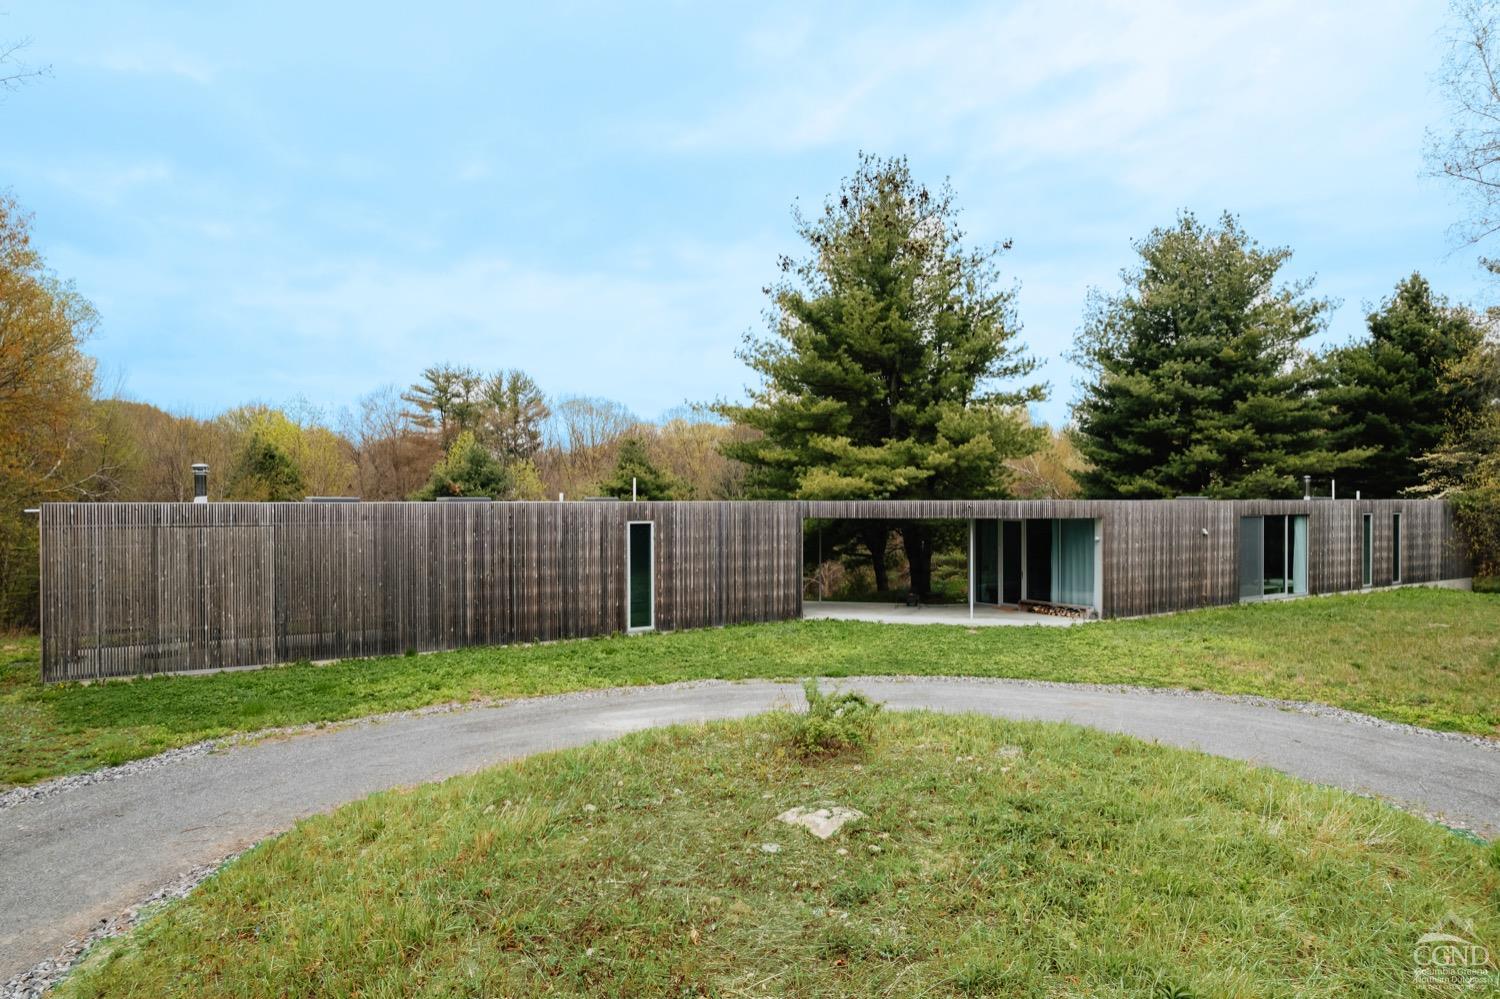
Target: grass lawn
<point>1428,657</point>
<point>997,858</point>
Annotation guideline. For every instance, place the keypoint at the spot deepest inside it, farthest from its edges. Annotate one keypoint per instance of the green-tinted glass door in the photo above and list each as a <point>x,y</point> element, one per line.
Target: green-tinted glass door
<point>1010,571</point>
<point>987,561</point>
<point>642,598</point>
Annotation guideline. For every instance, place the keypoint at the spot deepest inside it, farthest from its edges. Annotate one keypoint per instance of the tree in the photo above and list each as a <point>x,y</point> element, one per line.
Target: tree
<point>15,74</point>
<point>634,467</point>
<point>264,472</point>
<point>323,460</point>
<point>1391,395</point>
<point>515,414</point>
<point>468,469</point>
<point>392,455</point>
<point>881,373</point>
<point>1199,381</point>
<point>447,401</point>
<point>1051,472</point>
<point>1465,467</point>
<point>46,424</point>
<point>1469,152</point>
<point>585,434</point>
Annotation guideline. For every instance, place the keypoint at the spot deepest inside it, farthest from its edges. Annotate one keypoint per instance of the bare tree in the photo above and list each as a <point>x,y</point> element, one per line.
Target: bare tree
<point>15,74</point>
<point>1469,150</point>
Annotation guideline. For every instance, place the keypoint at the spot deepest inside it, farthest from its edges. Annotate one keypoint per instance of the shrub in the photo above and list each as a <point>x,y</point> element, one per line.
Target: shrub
<point>833,723</point>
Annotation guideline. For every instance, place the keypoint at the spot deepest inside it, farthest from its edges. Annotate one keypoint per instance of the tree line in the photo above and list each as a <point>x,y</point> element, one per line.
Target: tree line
<point>891,368</point>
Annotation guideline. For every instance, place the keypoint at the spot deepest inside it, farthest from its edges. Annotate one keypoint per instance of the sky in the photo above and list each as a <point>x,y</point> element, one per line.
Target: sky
<point>280,201</point>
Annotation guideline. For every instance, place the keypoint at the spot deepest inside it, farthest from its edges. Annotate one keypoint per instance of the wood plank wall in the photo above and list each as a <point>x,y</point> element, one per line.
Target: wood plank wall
<point>136,588</point>
<point>1167,555</point>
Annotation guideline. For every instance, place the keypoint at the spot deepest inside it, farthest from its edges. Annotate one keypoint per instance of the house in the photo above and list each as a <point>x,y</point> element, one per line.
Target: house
<point>135,588</point>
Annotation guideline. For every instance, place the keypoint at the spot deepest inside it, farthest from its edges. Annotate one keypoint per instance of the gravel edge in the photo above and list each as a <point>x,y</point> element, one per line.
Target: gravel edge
<point>58,785</point>
<point>40,979</point>
<point>36,982</point>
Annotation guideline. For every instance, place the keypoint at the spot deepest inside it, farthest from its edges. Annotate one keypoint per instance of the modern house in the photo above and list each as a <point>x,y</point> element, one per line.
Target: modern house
<point>135,588</point>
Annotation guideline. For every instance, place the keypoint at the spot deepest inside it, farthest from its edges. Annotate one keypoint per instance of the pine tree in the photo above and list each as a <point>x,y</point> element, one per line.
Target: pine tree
<point>1199,380</point>
<point>881,375</point>
<point>514,412</point>
<point>1389,393</point>
<point>264,472</point>
<point>635,467</point>
<point>447,401</point>
<point>468,469</point>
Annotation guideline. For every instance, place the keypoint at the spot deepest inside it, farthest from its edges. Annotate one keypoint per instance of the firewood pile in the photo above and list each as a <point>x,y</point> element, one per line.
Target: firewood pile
<point>1052,610</point>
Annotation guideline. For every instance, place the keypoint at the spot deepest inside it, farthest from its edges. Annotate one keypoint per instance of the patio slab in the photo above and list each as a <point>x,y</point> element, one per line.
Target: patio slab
<point>985,615</point>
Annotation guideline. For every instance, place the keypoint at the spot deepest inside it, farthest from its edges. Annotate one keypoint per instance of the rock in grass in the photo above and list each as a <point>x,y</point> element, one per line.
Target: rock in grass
<point>821,822</point>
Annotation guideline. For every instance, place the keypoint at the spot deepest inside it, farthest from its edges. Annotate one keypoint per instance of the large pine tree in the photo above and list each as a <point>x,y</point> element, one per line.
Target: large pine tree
<point>881,375</point>
<point>1200,384</point>
<point>1390,394</point>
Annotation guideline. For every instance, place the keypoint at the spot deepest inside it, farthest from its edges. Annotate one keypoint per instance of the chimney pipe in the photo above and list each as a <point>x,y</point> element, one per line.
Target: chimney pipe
<point>1307,487</point>
<point>200,482</point>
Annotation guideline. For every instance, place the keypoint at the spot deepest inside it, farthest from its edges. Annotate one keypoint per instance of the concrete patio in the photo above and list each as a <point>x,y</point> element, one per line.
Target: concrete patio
<point>985,615</point>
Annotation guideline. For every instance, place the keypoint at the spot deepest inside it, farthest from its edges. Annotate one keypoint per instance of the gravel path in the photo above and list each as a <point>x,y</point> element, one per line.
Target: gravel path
<point>83,852</point>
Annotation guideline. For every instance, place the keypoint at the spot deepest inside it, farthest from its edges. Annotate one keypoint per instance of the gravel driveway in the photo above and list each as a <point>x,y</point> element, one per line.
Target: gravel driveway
<point>71,858</point>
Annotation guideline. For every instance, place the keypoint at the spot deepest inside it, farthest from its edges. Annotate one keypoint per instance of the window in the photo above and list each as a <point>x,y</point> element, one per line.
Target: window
<point>1273,556</point>
<point>640,605</point>
<point>1367,553</point>
<point>1073,562</point>
<point>1395,548</point>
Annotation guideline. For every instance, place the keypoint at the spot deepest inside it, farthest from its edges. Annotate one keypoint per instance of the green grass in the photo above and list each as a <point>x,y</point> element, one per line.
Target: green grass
<point>1428,657</point>
<point>997,858</point>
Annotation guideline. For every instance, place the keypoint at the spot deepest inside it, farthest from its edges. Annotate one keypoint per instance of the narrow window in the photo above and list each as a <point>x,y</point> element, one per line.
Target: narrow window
<point>641,604</point>
<point>1395,548</point>
<point>1367,553</point>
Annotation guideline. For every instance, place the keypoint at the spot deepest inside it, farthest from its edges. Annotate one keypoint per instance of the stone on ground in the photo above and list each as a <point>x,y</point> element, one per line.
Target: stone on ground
<point>821,822</point>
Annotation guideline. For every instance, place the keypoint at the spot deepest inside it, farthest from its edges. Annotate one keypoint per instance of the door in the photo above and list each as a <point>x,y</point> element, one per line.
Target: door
<point>1038,586</point>
<point>640,559</point>
<point>1010,561</point>
<point>1252,556</point>
<point>987,561</point>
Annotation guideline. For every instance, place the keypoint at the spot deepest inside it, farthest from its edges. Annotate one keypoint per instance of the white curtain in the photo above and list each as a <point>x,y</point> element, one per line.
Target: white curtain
<point>1073,562</point>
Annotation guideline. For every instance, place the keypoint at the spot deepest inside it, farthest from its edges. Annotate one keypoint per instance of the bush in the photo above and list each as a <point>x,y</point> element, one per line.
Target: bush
<point>833,723</point>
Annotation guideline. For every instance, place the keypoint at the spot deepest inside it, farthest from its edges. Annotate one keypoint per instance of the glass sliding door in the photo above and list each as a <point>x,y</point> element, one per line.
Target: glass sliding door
<point>1273,556</point>
<point>987,561</point>
<point>1010,561</point>
<point>1073,562</point>
<point>1252,558</point>
<point>1038,584</point>
<point>1273,577</point>
<point>1297,555</point>
<point>1367,552</point>
<point>641,564</point>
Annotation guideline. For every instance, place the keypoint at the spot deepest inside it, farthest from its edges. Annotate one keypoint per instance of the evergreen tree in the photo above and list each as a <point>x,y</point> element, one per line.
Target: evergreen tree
<point>634,464</point>
<point>1200,384</point>
<point>1389,393</point>
<point>447,401</point>
<point>264,472</point>
<point>881,374</point>
<point>468,469</point>
<point>514,413</point>
<point>1465,467</point>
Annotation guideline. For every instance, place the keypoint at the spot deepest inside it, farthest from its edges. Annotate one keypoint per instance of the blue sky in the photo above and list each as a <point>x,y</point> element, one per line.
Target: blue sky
<point>279,200</point>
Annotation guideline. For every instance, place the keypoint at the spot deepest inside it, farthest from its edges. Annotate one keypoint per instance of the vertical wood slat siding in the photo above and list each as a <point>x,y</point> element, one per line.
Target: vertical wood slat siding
<point>129,589</point>
<point>138,588</point>
<point>1156,558</point>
